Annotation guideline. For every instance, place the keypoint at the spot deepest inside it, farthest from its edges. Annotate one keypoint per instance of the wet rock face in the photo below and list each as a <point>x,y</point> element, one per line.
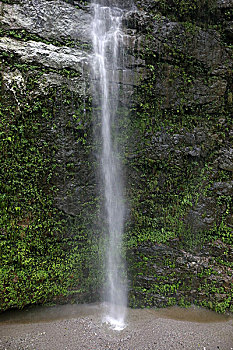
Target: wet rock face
<point>170,42</point>
<point>187,276</point>
<point>177,76</point>
<point>223,188</point>
<point>124,4</point>
<point>189,73</point>
<point>47,55</point>
<point>226,159</point>
<point>203,215</point>
<point>48,19</point>
<point>63,44</point>
<point>202,45</point>
<point>193,144</point>
<point>224,4</point>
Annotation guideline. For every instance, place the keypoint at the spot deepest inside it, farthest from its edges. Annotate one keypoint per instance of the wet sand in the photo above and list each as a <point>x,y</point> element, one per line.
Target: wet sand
<point>75,327</point>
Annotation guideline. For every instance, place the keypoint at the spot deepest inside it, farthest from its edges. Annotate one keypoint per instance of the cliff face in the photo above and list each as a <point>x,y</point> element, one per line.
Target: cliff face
<point>176,142</point>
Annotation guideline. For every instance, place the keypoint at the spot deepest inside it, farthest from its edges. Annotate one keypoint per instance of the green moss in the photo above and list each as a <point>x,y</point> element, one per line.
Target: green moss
<point>45,255</point>
<point>164,187</point>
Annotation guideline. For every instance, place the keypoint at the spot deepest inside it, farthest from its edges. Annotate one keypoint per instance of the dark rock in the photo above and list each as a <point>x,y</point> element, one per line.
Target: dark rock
<point>125,4</point>
<point>228,31</point>
<point>224,4</point>
<point>223,188</point>
<point>191,269</point>
<point>225,160</point>
<point>195,152</point>
<point>136,20</point>
<point>203,215</point>
<point>204,46</point>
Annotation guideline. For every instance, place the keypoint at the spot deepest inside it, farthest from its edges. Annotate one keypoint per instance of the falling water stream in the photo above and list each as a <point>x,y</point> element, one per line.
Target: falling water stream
<point>108,51</point>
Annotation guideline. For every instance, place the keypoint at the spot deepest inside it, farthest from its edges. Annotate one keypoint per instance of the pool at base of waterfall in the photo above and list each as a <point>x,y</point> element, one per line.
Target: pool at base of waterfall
<point>38,314</point>
<point>80,327</point>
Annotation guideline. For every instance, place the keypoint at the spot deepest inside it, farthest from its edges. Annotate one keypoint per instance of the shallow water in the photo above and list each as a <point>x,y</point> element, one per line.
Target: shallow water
<point>81,327</point>
<point>65,312</point>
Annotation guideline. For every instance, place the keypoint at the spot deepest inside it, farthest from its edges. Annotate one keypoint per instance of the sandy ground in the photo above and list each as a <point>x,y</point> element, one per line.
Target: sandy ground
<point>145,330</point>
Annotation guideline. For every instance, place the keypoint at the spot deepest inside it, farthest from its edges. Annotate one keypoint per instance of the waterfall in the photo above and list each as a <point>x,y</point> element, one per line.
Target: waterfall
<point>108,52</point>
